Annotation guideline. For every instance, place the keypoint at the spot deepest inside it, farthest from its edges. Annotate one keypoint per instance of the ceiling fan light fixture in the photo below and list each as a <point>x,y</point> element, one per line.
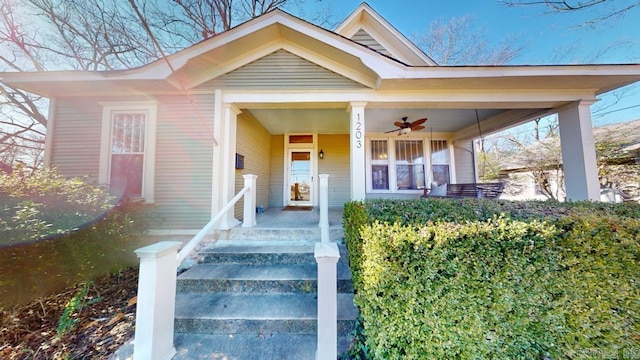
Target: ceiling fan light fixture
<point>404,131</point>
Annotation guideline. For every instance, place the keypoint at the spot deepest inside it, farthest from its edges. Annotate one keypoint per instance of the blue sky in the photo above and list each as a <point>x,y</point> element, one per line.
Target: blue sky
<point>546,39</point>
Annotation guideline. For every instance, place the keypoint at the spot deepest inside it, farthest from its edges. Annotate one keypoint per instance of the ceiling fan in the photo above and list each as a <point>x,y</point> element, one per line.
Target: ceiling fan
<point>406,127</point>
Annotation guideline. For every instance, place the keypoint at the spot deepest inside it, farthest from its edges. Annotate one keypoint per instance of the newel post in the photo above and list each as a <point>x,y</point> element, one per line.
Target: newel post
<point>327,256</point>
<point>249,217</point>
<point>155,310</point>
<point>324,208</point>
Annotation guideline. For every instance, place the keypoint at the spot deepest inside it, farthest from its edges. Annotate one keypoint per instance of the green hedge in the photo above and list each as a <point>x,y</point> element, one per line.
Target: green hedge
<point>451,279</point>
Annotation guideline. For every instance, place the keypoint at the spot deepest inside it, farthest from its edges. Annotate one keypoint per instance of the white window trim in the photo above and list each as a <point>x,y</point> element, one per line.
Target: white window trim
<point>426,143</point>
<point>151,108</point>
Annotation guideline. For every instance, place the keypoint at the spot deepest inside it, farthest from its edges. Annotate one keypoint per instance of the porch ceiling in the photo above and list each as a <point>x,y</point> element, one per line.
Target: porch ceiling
<point>378,120</point>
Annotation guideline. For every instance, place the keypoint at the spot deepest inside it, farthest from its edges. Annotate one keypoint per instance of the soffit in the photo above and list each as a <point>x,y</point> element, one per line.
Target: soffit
<point>242,51</point>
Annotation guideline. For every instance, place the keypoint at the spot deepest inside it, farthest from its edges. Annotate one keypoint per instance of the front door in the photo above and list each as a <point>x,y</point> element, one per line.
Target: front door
<point>300,177</point>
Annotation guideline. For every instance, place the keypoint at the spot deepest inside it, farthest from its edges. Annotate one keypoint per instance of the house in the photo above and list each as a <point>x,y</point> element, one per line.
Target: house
<point>286,100</point>
<point>618,145</point>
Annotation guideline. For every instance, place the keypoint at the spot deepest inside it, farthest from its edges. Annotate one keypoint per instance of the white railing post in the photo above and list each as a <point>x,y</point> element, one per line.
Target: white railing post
<point>249,217</point>
<point>327,256</point>
<point>156,301</point>
<point>324,208</point>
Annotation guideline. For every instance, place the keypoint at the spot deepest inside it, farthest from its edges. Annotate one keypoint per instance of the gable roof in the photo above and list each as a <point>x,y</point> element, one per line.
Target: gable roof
<point>366,21</point>
<point>360,63</point>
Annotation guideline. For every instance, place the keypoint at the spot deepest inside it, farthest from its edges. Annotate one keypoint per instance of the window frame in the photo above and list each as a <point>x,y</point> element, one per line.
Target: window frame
<point>391,161</point>
<point>149,157</point>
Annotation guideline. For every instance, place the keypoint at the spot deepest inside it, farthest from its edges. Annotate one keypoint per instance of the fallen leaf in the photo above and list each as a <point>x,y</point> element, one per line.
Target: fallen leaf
<point>115,319</point>
<point>132,301</point>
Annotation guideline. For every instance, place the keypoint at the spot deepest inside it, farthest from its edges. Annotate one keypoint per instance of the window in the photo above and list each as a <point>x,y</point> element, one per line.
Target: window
<point>409,164</point>
<point>379,165</point>
<point>440,161</point>
<point>405,164</point>
<point>127,155</point>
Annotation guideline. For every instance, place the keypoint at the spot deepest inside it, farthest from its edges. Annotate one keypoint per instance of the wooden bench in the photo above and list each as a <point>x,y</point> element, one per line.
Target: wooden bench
<point>471,190</point>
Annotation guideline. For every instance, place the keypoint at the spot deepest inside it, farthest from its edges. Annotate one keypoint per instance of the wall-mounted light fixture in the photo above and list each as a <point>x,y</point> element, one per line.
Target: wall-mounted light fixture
<point>321,154</point>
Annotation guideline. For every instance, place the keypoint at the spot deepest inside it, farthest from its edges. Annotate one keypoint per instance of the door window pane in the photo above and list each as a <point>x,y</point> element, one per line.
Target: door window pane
<point>301,176</point>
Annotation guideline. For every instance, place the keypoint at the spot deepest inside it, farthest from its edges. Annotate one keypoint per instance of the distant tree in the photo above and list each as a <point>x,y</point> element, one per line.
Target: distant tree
<point>460,41</point>
<point>602,9</point>
<point>539,157</point>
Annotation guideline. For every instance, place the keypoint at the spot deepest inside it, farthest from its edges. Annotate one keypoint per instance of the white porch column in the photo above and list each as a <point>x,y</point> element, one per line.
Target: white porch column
<point>223,180</point>
<point>217,176</point>
<point>228,144</point>
<point>578,152</point>
<point>357,153</point>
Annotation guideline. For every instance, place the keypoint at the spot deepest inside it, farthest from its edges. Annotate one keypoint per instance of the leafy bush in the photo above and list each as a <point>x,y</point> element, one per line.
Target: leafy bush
<point>58,232</point>
<point>45,203</point>
<point>450,279</point>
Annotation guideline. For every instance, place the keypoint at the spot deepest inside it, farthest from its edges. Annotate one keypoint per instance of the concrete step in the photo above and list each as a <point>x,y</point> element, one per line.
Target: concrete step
<point>277,278</point>
<point>236,313</point>
<point>261,253</point>
<point>249,346</point>
<point>336,233</point>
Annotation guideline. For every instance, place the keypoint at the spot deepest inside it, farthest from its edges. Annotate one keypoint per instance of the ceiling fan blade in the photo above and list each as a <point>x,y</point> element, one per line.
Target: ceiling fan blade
<point>399,124</point>
<point>416,128</point>
<point>390,131</point>
<point>418,122</point>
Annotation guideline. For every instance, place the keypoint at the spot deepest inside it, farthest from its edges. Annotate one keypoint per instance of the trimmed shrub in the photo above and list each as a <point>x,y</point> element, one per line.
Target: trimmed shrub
<point>499,280</point>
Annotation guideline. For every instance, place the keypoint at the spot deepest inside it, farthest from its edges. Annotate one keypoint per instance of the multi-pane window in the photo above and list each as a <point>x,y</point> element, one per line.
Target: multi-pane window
<point>127,148</point>
<point>379,165</point>
<point>409,164</point>
<point>440,161</point>
<point>405,164</point>
<point>127,152</point>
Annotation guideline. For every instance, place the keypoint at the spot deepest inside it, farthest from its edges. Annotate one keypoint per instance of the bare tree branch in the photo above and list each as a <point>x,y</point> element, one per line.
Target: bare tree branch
<point>461,42</point>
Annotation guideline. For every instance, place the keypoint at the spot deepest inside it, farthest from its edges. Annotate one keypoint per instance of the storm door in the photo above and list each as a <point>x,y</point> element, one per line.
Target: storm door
<point>300,177</point>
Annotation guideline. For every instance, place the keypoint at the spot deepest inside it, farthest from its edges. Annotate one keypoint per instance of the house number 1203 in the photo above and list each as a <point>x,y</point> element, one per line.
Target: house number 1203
<point>358,133</point>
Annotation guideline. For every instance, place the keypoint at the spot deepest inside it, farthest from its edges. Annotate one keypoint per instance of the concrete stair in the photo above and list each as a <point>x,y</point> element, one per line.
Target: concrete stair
<point>252,299</point>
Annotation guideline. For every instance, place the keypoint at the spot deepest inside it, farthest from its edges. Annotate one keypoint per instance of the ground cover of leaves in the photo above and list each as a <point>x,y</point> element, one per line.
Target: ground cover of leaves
<point>88,321</point>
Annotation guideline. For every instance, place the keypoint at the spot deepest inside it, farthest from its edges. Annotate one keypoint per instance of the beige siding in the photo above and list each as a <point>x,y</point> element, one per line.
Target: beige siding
<point>281,70</point>
<point>277,170</point>
<point>183,154</point>
<point>362,37</point>
<point>254,142</point>
<point>336,164</point>
<point>184,162</point>
<point>76,142</point>
<point>464,163</point>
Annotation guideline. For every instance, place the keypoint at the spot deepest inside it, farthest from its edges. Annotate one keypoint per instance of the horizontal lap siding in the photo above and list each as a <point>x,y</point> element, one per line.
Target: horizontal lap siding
<point>184,158</point>
<point>465,167</point>
<point>336,164</point>
<point>254,142</point>
<point>76,142</point>
<point>362,37</point>
<point>277,171</point>
<point>281,70</point>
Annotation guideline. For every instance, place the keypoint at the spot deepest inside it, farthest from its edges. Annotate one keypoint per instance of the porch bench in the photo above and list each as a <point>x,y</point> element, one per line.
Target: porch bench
<point>470,190</point>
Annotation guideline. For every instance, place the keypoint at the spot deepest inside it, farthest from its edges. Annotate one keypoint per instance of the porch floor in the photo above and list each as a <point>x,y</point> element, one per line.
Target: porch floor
<point>276,218</point>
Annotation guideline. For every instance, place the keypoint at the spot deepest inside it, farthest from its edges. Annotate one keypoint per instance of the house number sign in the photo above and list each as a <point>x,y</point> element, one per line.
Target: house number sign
<point>358,133</point>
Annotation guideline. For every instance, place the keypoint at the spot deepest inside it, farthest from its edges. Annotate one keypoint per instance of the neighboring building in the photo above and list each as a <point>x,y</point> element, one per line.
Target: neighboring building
<point>619,169</point>
<point>269,95</point>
